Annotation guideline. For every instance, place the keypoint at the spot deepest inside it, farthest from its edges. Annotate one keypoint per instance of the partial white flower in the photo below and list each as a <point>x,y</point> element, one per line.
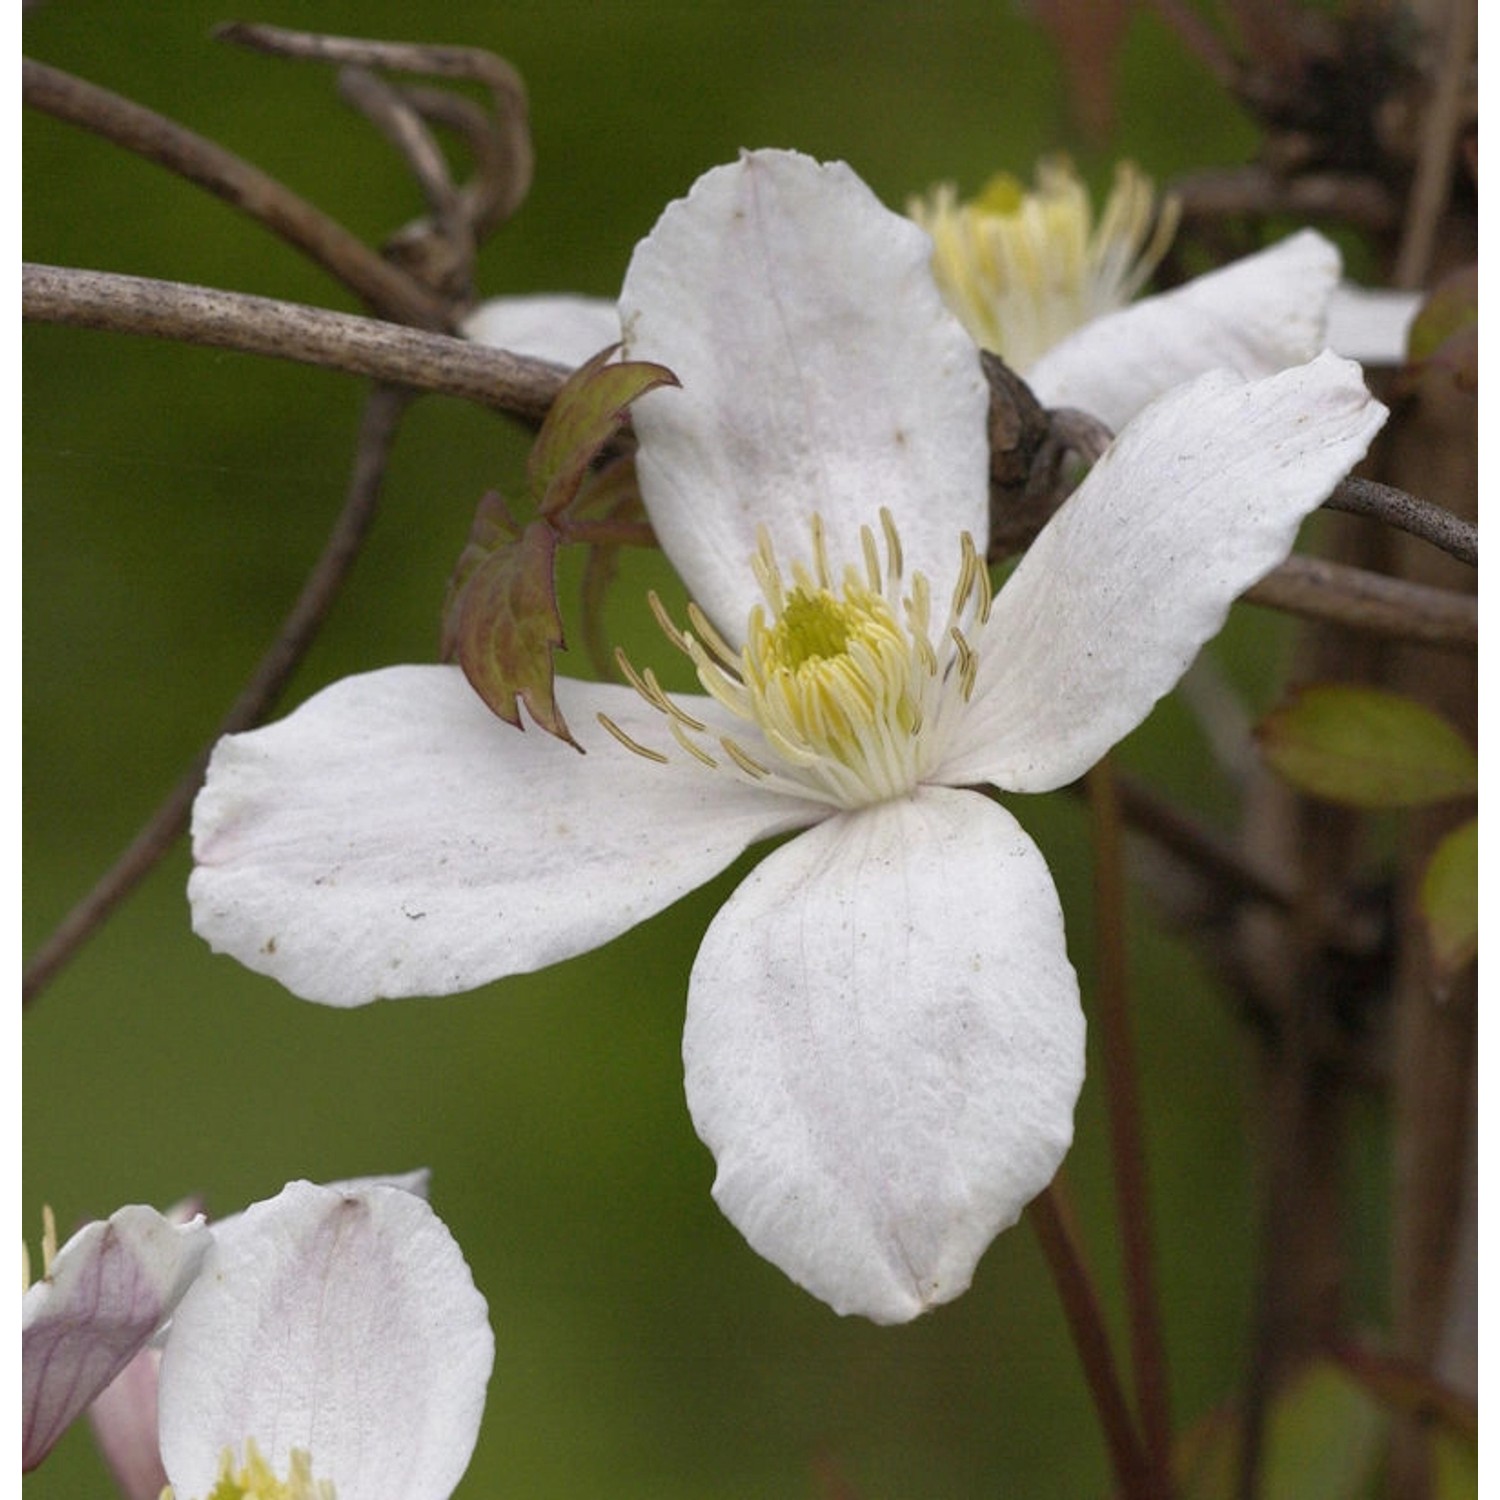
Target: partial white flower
<point>100,1300</point>
<point>883,1043</point>
<point>562,327</point>
<point>1371,324</point>
<point>1024,269</point>
<point>93,1329</point>
<point>1036,281</point>
<point>336,1331</point>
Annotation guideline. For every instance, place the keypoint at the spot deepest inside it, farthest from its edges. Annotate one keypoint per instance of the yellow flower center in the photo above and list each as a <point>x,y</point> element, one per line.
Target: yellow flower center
<point>49,1249</point>
<point>1022,270</point>
<point>256,1480</point>
<point>851,691</point>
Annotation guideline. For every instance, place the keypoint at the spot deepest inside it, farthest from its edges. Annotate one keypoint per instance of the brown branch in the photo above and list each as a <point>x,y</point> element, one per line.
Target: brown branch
<point>1371,602</point>
<point>377,433</point>
<point>1051,1221</point>
<point>286,330</point>
<point>439,249</point>
<point>1127,1140</point>
<point>383,287</point>
<point>1419,518</point>
<point>1257,192</point>
<point>1433,181</point>
<point>502,145</point>
<point>1202,41</point>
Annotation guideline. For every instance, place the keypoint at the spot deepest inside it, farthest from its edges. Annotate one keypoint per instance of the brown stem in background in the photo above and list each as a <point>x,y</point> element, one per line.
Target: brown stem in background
<point>383,287</point>
<point>382,416</point>
<point>1127,1142</point>
<point>1051,1219</point>
<point>1202,41</point>
<point>1216,194</point>
<point>1432,184</point>
<point>288,330</point>
<point>1371,602</point>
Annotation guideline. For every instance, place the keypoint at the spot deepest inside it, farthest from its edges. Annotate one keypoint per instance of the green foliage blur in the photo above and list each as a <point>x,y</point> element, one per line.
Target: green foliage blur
<point>175,498</point>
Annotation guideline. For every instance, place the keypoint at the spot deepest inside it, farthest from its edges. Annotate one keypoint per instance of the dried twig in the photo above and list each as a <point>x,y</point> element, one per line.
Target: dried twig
<point>383,287</point>
<point>505,161</point>
<point>1435,158</point>
<point>1420,518</point>
<point>1210,197</point>
<point>1371,602</point>
<point>287,330</point>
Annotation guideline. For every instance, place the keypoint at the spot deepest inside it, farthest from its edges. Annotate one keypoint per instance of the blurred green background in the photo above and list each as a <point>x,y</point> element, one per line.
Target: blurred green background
<point>175,498</point>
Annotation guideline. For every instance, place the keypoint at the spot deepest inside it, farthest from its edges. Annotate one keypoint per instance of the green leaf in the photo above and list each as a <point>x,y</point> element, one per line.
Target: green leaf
<point>1452,307</point>
<point>507,627</point>
<point>1449,898</point>
<point>1323,1441</point>
<point>1445,333</point>
<point>1366,748</point>
<point>1456,1462</point>
<point>587,413</point>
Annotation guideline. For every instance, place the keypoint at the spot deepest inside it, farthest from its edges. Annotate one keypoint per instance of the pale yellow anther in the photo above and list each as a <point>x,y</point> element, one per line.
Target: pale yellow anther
<point>1023,269</point>
<point>49,1248</point>
<point>630,744</point>
<point>848,685</point>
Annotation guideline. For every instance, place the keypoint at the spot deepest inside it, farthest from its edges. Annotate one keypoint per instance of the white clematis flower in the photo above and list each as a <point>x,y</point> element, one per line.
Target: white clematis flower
<point>330,1334</point>
<point>883,1043</point>
<point>336,1337</point>
<point>1036,281</point>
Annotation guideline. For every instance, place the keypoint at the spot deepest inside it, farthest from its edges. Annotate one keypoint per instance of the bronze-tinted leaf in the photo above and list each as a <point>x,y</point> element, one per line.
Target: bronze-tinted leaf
<point>493,526</point>
<point>588,411</point>
<point>509,626</point>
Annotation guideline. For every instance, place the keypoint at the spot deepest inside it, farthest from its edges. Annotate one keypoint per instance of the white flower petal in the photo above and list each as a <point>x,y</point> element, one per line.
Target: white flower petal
<point>343,1323</point>
<point>108,1290</point>
<point>392,837</point>
<point>820,372</point>
<point>566,329</point>
<point>1198,498</point>
<point>1255,316</point>
<point>1370,324</point>
<point>884,1046</point>
<point>226,1230</point>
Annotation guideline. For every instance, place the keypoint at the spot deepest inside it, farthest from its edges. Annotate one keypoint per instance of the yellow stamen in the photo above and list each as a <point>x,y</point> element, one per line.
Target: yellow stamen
<point>256,1480</point>
<point>846,682</point>
<point>629,743</point>
<point>1022,270</point>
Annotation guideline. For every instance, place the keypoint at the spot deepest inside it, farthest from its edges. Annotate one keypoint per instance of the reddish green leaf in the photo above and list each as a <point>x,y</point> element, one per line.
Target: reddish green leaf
<point>588,411</point>
<point>1366,748</point>
<point>492,527</point>
<point>1449,897</point>
<point>508,627</point>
